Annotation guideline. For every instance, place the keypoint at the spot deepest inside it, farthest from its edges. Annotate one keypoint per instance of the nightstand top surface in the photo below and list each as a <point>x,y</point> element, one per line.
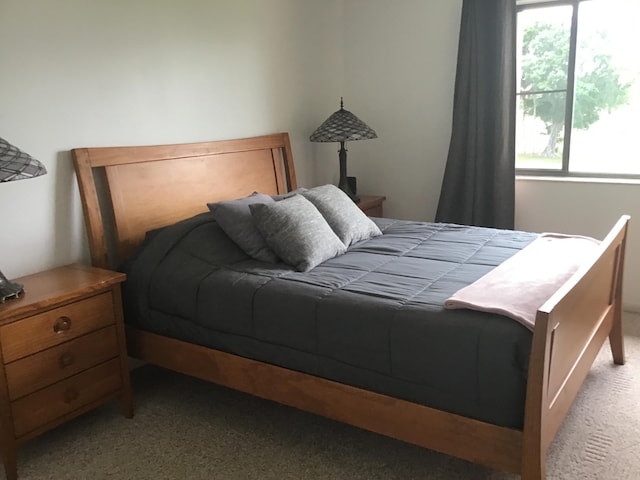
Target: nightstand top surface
<point>51,288</point>
<point>367,201</point>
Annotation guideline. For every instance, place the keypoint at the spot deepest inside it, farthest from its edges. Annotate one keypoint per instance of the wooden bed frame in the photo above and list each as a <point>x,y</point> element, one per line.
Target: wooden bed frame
<point>127,191</point>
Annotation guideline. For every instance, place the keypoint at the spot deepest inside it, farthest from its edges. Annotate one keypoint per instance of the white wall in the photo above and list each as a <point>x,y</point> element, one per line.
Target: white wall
<point>587,208</point>
<point>78,73</point>
<point>400,71</point>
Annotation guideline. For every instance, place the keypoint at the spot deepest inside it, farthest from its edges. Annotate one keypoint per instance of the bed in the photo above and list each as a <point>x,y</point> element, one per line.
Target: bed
<point>127,192</point>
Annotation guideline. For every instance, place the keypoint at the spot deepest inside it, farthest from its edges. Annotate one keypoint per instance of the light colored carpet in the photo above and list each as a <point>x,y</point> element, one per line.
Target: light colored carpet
<point>187,429</point>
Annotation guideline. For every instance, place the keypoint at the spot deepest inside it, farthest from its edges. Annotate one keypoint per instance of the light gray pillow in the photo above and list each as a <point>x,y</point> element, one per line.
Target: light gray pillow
<point>345,218</point>
<point>297,232</point>
<point>234,217</point>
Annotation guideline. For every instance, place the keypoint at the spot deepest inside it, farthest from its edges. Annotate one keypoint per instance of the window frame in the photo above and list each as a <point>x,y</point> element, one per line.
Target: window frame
<point>523,5</point>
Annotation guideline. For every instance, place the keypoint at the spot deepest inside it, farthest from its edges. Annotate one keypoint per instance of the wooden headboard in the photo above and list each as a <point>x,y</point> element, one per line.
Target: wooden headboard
<point>127,191</point>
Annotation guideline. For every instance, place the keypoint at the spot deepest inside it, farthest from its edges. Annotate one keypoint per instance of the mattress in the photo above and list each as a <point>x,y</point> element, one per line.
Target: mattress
<point>372,318</point>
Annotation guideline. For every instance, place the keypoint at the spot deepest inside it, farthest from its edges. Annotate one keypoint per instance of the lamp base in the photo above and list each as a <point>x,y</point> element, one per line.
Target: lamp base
<point>344,186</point>
<point>9,289</point>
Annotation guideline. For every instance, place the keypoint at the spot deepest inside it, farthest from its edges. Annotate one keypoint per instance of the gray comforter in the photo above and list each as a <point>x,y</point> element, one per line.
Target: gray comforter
<point>371,318</point>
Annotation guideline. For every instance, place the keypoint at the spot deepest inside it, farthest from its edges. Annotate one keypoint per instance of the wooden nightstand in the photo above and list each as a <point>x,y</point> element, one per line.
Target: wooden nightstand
<point>63,352</point>
<point>372,205</point>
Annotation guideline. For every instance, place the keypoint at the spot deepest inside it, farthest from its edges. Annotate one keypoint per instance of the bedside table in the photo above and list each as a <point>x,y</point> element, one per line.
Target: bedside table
<point>63,352</point>
<point>371,205</point>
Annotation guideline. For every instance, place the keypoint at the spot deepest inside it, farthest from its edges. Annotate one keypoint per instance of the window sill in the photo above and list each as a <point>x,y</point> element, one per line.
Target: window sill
<point>613,181</point>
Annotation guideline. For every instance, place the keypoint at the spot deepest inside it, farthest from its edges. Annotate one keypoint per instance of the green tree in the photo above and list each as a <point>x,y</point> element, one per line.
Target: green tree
<point>544,61</point>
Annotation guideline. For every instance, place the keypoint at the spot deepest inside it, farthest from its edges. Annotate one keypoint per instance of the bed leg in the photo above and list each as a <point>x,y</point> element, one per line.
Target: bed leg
<point>616,340</point>
<point>533,466</point>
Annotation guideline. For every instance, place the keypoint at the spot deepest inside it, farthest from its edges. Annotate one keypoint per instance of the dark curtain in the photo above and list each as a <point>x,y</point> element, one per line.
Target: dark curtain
<point>479,181</point>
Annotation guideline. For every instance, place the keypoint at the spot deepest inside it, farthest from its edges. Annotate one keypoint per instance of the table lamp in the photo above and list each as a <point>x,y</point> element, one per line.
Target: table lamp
<point>343,126</point>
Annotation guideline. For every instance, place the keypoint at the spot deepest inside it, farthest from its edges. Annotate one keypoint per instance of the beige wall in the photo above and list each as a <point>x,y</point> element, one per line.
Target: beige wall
<point>90,73</point>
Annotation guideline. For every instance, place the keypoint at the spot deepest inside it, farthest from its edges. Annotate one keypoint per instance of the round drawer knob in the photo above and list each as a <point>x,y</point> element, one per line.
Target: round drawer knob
<point>62,325</point>
<point>66,359</point>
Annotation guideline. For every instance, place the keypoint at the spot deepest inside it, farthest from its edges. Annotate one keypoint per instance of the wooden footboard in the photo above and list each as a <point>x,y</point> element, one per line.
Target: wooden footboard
<point>570,330</point>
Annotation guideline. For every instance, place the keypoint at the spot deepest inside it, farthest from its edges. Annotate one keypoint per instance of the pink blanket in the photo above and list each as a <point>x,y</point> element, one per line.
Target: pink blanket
<point>521,284</point>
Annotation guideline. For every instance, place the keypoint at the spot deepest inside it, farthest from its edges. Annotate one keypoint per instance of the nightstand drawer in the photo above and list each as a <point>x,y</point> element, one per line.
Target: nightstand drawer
<point>49,366</point>
<point>30,335</point>
<point>44,406</point>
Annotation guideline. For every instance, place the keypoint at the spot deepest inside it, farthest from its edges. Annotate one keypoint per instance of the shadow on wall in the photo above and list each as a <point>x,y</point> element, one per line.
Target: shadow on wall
<point>69,240</point>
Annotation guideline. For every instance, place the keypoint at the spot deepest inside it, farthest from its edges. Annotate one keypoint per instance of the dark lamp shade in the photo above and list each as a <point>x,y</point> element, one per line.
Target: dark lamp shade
<point>16,164</point>
<point>342,126</point>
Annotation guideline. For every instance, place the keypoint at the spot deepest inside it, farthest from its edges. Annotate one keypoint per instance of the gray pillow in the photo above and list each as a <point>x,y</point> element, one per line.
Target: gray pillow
<point>234,217</point>
<point>345,218</point>
<point>297,232</point>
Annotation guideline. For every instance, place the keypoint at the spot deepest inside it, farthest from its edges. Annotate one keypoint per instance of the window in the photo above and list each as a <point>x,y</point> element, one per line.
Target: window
<point>578,98</point>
